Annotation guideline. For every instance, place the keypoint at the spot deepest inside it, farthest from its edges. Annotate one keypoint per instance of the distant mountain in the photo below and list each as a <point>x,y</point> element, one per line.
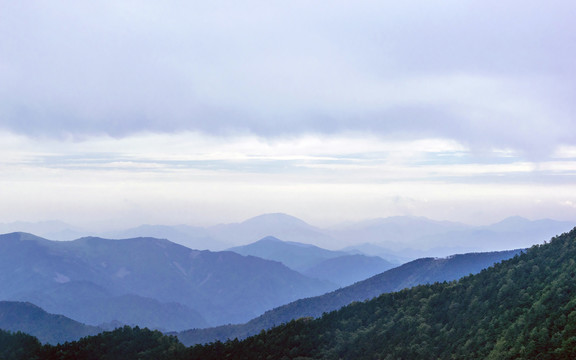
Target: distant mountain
<point>414,237</point>
<point>295,255</point>
<point>377,250</point>
<point>91,278</point>
<point>400,229</point>
<point>395,232</point>
<point>54,229</point>
<point>48,328</point>
<point>282,226</point>
<point>513,232</point>
<point>192,237</point>
<point>348,269</point>
<point>337,267</point>
<point>421,271</point>
<point>398,239</point>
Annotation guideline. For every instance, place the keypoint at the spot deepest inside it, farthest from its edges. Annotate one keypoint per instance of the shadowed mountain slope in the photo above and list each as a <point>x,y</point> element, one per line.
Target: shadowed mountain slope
<point>295,255</point>
<point>48,328</point>
<point>91,278</point>
<point>337,267</point>
<point>523,308</point>
<point>421,271</point>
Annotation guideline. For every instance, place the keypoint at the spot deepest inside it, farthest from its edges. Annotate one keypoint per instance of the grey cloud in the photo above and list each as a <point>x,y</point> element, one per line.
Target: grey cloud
<point>120,67</point>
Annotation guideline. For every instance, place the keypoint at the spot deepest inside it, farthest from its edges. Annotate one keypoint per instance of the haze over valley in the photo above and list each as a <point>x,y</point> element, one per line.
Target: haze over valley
<point>140,279</point>
<point>396,239</point>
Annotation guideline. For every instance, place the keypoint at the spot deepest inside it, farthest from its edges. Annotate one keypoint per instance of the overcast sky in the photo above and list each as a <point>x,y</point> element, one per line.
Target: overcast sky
<point>119,112</point>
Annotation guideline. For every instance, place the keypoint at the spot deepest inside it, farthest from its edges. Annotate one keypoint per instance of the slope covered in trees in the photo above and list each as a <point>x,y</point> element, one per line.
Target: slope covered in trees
<point>523,308</point>
<point>18,346</point>
<point>124,343</point>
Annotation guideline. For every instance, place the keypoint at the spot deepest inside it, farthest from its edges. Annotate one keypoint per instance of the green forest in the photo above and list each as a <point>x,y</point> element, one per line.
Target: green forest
<point>522,308</point>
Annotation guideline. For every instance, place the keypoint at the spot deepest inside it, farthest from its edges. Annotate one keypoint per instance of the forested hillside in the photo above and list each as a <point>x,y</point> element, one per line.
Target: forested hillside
<point>18,346</point>
<point>523,308</point>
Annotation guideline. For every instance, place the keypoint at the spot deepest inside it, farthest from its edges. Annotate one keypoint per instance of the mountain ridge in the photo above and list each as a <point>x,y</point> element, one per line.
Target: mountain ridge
<point>417,272</point>
<point>522,308</point>
<point>400,236</point>
<point>48,328</point>
<point>157,271</point>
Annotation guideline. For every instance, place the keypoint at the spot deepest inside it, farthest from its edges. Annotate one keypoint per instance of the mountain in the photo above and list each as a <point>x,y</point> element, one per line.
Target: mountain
<point>377,250</point>
<point>50,229</point>
<point>48,328</point>
<point>417,272</point>
<point>523,308</point>
<point>405,237</point>
<point>348,269</point>
<point>513,232</point>
<point>192,237</point>
<point>295,255</point>
<point>396,230</point>
<point>282,226</point>
<point>145,281</point>
<point>336,267</point>
<point>91,304</point>
<point>396,239</point>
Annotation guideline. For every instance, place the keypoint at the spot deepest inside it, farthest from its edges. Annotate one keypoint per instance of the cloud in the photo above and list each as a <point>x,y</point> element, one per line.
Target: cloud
<point>196,178</point>
<point>487,74</point>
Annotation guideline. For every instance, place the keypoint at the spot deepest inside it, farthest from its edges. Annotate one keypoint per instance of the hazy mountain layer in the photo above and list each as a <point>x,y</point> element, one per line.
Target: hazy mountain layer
<point>523,308</point>
<point>295,255</point>
<point>169,285</point>
<point>337,267</point>
<point>48,328</point>
<point>282,226</point>
<point>422,271</point>
<point>348,269</point>
<point>415,237</point>
<point>397,239</point>
<point>192,237</point>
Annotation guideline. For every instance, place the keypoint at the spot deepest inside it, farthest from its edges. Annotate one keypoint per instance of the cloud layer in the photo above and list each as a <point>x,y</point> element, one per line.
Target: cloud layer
<point>487,74</point>
<point>198,179</point>
<point>204,112</point>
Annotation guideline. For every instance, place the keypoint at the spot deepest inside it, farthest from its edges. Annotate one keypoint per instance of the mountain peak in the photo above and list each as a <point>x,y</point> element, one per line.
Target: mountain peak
<point>269,239</point>
<point>20,236</point>
<point>514,219</point>
<point>275,218</point>
<point>511,223</point>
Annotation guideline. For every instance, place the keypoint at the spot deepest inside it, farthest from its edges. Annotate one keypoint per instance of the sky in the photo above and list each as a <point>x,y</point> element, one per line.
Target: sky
<point>119,113</point>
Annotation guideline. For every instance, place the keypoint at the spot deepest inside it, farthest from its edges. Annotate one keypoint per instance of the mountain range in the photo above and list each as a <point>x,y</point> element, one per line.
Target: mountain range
<point>338,267</point>
<point>395,239</point>
<point>522,308</point>
<point>145,281</point>
<point>417,272</point>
